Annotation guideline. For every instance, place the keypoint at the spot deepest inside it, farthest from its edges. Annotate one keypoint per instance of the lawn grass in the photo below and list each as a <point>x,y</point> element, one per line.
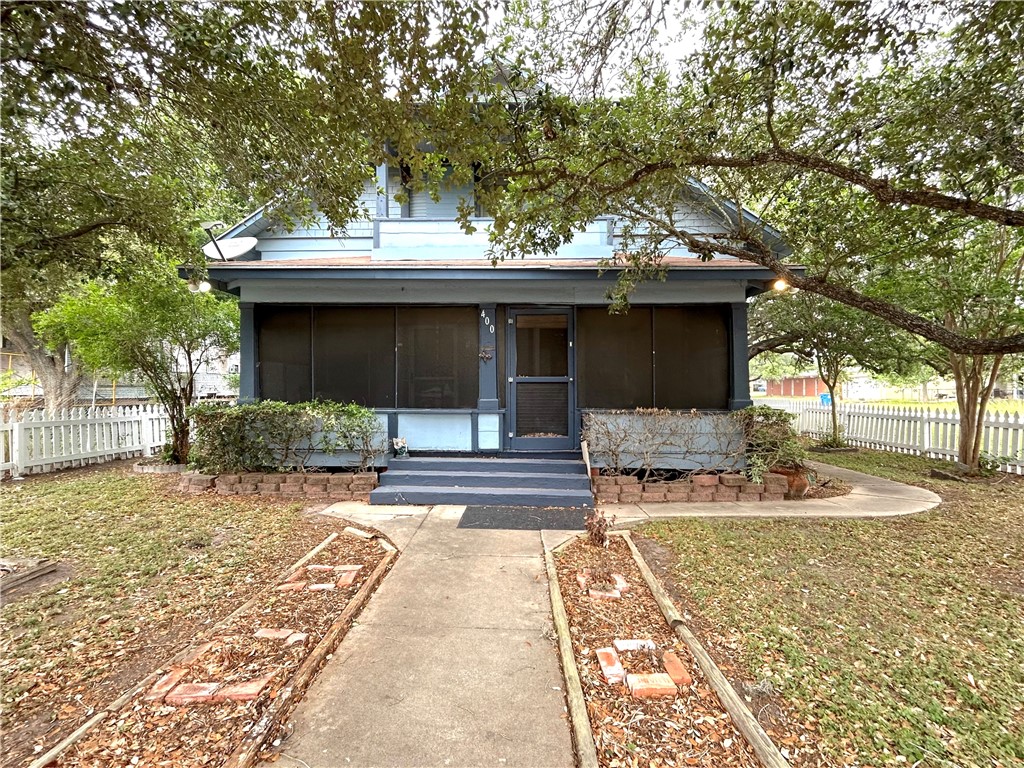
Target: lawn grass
<point>152,568</point>
<point>901,639</point>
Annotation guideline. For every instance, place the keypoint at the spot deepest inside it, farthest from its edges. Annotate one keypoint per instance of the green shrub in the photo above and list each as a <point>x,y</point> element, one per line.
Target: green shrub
<point>271,434</point>
<point>771,440</point>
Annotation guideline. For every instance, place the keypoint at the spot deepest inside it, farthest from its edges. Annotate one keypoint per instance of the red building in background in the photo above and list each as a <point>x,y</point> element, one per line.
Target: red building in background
<point>796,386</point>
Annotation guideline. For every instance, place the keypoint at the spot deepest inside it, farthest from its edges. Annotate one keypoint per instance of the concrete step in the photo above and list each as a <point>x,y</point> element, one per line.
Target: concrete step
<point>431,464</point>
<point>485,479</point>
<point>505,497</point>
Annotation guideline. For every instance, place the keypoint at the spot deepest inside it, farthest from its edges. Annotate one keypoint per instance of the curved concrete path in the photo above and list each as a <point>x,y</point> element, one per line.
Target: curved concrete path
<point>452,662</point>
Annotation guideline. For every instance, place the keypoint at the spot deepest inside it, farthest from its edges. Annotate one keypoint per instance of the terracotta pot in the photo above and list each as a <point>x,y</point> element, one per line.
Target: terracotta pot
<point>796,479</point>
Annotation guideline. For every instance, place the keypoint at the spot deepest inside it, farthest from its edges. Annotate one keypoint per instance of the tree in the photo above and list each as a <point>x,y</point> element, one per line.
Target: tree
<point>907,107</point>
<point>833,337</point>
<point>150,325</point>
<point>139,117</point>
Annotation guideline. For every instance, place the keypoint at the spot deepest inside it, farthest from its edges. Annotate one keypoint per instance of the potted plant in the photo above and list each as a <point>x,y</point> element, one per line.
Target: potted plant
<point>774,446</point>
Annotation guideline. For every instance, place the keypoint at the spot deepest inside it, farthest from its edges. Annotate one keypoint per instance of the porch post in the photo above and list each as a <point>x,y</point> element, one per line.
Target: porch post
<point>488,398</point>
<point>739,370</point>
<point>247,354</point>
<point>382,193</point>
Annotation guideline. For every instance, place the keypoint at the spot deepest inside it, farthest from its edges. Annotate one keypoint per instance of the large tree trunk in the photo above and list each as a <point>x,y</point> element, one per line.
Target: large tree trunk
<point>60,381</point>
<point>974,384</point>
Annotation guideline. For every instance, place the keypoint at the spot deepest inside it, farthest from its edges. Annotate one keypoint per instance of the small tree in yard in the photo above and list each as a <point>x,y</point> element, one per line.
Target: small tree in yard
<point>148,324</point>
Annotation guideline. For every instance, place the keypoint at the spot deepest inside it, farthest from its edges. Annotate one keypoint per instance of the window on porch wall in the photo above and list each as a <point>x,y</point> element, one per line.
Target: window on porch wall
<point>348,354</point>
<point>665,357</point>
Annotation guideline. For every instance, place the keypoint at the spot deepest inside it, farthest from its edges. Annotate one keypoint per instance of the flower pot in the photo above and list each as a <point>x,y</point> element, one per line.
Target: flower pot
<point>796,479</point>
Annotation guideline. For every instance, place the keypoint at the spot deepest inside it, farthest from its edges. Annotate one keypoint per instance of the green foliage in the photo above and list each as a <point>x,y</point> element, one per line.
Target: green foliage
<point>150,325</point>
<point>271,434</point>
<point>771,440</point>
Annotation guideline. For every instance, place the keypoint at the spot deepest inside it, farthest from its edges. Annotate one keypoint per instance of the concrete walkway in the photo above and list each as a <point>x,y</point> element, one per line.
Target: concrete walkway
<point>452,662</point>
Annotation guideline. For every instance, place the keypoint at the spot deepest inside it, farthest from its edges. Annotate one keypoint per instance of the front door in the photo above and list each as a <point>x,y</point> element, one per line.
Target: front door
<point>540,382</point>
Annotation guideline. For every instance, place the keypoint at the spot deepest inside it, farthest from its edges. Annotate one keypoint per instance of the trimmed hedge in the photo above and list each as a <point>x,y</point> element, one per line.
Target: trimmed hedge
<point>273,435</point>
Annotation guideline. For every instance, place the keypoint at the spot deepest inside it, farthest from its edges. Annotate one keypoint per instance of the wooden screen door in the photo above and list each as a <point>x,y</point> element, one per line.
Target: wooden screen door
<point>541,392</point>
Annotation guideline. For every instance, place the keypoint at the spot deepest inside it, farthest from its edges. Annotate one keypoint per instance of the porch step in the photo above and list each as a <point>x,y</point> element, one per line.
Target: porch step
<point>563,481</point>
<point>485,481</point>
<point>506,497</point>
<point>439,464</point>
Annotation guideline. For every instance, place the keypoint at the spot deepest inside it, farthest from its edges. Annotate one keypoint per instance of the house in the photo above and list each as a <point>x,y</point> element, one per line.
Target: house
<point>405,313</point>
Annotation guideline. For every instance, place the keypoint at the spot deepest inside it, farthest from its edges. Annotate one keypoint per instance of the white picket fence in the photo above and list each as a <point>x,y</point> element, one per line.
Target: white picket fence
<point>920,431</point>
<point>35,441</point>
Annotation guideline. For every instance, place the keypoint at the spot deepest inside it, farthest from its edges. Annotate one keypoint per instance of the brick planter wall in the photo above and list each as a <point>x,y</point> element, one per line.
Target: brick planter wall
<point>321,486</point>
<point>627,489</point>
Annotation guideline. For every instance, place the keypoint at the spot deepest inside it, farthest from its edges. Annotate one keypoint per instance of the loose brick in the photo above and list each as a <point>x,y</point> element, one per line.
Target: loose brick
<point>297,575</point>
<point>203,480</point>
<point>245,691</point>
<point>321,587</point>
<point>273,633</point>
<point>291,586</point>
<point>676,670</point>
<point>673,496</point>
<point>319,567</point>
<point>627,497</point>
<point>358,532</point>
<point>633,645</point>
<point>228,479</point>
<point>773,497</point>
<point>655,685</point>
<point>611,667</point>
<point>164,685</point>
<point>620,582</point>
<point>348,567</point>
<point>339,479</point>
<point>582,577</point>
<point>600,594</point>
<point>195,653</point>
<point>701,496</point>
<point>748,497</point>
<point>704,481</point>
<point>652,497</point>
<point>191,693</point>
<point>732,481</point>
<point>296,638</point>
<point>347,578</point>
<point>752,488</point>
<point>268,487</point>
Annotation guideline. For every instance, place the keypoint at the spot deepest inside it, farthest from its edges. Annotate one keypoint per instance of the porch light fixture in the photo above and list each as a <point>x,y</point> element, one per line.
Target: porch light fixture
<point>199,286</point>
<point>780,285</point>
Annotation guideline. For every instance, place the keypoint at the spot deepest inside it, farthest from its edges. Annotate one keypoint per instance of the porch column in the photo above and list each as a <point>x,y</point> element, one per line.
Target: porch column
<point>739,371</point>
<point>382,194</point>
<point>247,354</point>
<point>488,398</point>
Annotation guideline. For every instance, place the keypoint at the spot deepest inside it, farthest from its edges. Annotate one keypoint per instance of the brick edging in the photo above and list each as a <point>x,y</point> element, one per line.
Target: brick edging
<point>321,486</point>
<point>627,489</point>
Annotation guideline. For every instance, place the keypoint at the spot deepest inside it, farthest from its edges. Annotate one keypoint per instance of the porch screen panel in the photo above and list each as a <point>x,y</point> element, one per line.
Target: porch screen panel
<point>354,355</point>
<point>438,356</point>
<point>285,364</point>
<point>691,360</point>
<point>542,409</point>
<point>613,358</point>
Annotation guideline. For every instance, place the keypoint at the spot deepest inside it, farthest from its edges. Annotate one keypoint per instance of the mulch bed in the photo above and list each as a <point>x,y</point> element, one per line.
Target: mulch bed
<point>206,733</point>
<point>691,728</point>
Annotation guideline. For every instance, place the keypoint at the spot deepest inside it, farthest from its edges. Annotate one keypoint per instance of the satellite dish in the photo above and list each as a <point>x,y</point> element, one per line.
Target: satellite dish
<point>229,249</point>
